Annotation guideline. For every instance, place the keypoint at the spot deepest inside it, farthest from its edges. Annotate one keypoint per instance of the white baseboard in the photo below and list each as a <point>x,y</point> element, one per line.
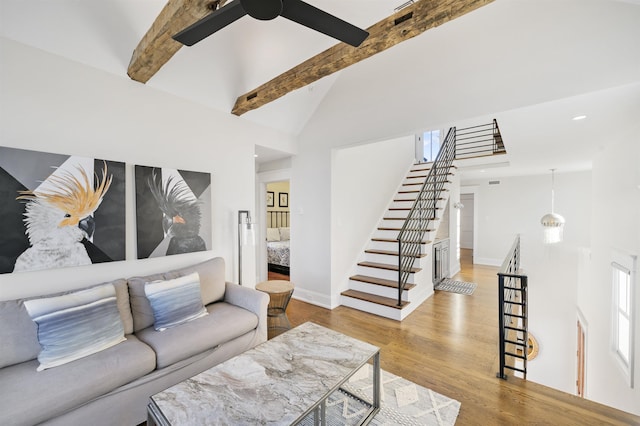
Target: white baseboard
<point>312,297</point>
<point>487,261</point>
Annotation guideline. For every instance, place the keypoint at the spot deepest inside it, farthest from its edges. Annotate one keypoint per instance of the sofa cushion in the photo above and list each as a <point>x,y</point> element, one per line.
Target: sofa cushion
<point>212,278</point>
<point>224,322</point>
<point>76,324</point>
<point>18,334</point>
<point>122,295</point>
<point>30,397</point>
<point>140,306</point>
<point>212,287</point>
<point>20,341</point>
<point>175,301</point>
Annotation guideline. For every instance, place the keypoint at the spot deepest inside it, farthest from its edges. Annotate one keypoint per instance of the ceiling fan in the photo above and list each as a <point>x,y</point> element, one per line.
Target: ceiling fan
<point>294,10</point>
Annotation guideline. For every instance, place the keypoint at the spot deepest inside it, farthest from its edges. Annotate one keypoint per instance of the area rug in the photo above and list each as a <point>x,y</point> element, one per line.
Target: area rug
<point>403,402</point>
<point>453,286</point>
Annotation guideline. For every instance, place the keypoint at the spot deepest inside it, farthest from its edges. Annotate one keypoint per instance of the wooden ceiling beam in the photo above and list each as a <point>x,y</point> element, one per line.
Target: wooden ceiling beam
<point>157,47</point>
<point>403,25</point>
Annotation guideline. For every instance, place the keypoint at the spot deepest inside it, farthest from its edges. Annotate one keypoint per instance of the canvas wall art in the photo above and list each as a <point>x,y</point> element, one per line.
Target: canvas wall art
<point>173,211</point>
<point>59,210</point>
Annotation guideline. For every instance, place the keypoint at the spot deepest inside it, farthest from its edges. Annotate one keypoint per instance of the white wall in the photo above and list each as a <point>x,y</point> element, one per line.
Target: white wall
<point>615,225</point>
<point>516,206</point>
<point>364,180</point>
<point>310,256</point>
<point>466,221</point>
<point>454,249</point>
<point>51,104</point>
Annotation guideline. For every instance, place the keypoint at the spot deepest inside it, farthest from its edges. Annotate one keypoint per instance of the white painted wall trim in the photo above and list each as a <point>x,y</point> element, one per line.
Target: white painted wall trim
<point>262,179</point>
<point>487,261</point>
<point>312,297</point>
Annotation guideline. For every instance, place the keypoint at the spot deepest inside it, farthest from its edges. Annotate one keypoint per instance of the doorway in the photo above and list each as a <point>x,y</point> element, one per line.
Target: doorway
<point>466,221</point>
<point>264,199</point>
<point>581,358</point>
<point>278,223</point>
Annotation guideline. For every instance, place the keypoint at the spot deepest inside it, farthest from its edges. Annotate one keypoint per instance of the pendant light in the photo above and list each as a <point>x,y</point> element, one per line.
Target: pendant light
<point>553,223</point>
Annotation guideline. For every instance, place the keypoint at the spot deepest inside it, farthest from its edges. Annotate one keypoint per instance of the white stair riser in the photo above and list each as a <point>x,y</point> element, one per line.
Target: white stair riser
<point>382,273</point>
<point>381,258</point>
<point>403,204</point>
<point>410,186</point>
<point>385,234</point>
<point>373,308</point>
<point>402,214</point>
<point>406,197</point>
<point>378,290</point>
<point>394,234</point>
<point>392,223</point>
<point>377,245</point>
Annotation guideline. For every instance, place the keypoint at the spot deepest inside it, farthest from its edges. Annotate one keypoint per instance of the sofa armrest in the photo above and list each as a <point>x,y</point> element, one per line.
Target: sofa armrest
<point>251,300</point>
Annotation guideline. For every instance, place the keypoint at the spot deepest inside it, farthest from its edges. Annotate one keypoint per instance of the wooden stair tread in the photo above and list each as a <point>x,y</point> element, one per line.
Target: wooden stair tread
<point>391,240</point>
<point>409,208</point>
<point>380,281</point>
<point>386,266</point>
<point>379,300</point>
<point>387,228</point>
<point>415,191</point>
<point>390,252</point>
<point>404,218</point>
<point>424,176</point>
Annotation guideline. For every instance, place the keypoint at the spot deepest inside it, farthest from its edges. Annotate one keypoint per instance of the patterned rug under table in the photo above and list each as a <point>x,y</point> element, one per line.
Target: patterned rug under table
<point>403,402</point>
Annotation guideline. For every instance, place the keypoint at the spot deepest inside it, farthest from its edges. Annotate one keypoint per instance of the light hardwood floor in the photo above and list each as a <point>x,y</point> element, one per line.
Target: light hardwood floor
<point>449,344</point>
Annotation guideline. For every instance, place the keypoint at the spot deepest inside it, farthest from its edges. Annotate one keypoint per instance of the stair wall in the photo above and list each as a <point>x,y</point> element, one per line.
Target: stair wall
<point>363,180</point>
<point>420,284</point>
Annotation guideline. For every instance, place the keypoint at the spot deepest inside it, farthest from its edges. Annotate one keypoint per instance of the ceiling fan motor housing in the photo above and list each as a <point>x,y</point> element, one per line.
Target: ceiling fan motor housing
<point>262,9</point>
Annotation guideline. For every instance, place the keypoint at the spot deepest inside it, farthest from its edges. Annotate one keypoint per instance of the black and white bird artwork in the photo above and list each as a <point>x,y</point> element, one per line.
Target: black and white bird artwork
<point>59,217</point>
<point>181,214</point>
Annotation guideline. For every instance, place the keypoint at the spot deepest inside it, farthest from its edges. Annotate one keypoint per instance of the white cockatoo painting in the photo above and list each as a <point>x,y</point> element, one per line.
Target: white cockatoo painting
<point>58,216</point>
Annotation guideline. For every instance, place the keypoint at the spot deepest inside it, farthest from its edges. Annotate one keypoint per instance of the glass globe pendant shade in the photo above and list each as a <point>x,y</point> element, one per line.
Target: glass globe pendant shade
<point>553,226</point>
<point>553,223</point>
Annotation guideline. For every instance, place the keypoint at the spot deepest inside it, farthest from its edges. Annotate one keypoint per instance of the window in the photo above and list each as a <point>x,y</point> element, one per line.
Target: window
<point>431,145</point>
<point>622,279</point>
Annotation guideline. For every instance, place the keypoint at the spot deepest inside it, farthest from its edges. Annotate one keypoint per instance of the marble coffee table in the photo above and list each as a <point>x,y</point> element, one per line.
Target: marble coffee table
<point>283,381</point>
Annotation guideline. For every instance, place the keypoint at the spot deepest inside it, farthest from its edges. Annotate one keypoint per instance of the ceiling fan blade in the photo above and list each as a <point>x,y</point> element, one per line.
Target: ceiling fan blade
<point>211,23</point>
<point>319,20</point>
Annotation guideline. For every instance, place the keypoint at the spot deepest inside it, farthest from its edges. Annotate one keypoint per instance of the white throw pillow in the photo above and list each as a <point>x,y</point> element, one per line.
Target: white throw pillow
<point>75,325</point>
<point>176,301</point>
<point>285,234</point>
<point>273,234</point>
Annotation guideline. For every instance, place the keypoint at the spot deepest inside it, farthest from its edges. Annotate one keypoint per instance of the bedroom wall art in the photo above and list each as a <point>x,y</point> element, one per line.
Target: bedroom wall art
<point>173,211</point>
<point>59,210</point>
<point>284,199</point>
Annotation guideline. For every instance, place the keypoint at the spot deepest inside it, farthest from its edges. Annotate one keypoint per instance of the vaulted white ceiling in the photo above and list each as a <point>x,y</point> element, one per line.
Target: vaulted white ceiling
<point>533,64</point>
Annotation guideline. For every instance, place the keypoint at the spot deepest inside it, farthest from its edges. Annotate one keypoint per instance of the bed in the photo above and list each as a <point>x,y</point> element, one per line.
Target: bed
<point>278,240</point>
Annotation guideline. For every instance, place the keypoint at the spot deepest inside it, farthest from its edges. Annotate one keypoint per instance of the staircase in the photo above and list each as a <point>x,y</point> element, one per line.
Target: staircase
<point>395,274</point>
<point>374,287</point>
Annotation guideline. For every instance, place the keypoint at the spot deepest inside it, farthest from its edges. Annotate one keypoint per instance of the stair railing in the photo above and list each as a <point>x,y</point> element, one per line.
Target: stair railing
<point>423,211</point>
<point>512,313</point>
<point>479,141</point>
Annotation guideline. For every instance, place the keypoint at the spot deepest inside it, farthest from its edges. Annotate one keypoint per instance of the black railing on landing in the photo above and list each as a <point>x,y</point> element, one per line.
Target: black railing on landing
<point>423,212</point>
<point>479,141</point>
<point>512,315</point>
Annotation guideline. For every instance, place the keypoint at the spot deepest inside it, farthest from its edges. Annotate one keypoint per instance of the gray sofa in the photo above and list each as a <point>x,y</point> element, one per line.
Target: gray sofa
<point>112,387</point>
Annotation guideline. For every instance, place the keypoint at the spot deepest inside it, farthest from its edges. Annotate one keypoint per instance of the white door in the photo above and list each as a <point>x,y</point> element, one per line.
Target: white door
<point>466,221</point>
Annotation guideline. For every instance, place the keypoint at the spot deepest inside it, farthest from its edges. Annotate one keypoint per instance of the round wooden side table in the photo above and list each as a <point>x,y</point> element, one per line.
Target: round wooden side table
<point>279,296</point>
